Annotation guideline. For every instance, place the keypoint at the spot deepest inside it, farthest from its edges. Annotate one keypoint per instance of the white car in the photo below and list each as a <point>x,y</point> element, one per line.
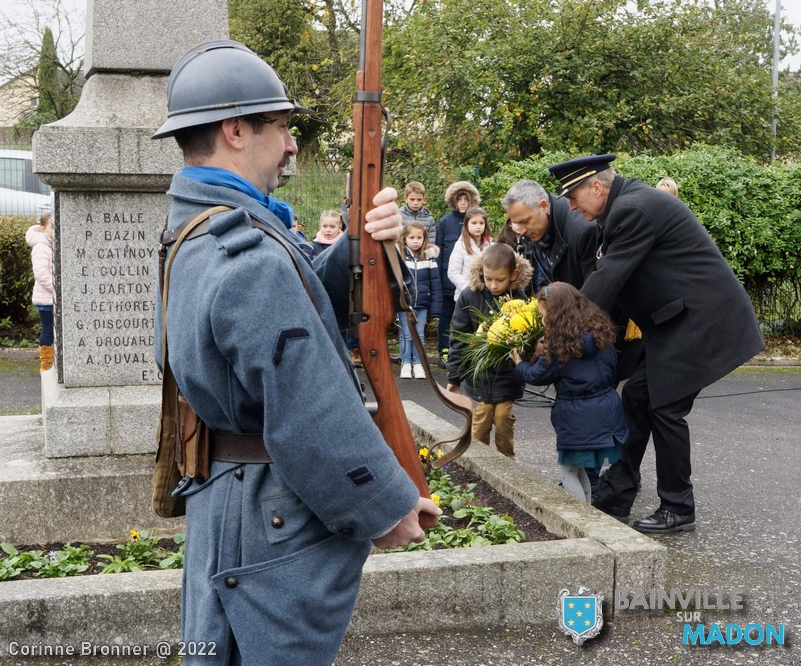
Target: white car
<point>21,191</point>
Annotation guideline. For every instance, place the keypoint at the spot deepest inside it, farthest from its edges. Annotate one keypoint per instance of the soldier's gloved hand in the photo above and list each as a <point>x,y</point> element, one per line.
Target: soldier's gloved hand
<point>384,221</point>
<point>408,529</point>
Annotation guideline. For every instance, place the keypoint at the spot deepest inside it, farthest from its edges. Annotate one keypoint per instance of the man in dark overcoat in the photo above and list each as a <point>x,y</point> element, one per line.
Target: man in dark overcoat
<point>563,248</point>
<point>658,263</point>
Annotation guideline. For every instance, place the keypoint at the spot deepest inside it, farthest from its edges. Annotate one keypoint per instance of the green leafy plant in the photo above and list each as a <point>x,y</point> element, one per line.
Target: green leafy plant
<point>751,210</point>
<point>118,564</point>
<point>18,317</point>
<point>67,562</point>
<point>142,548</point>
<point>175,560</point>
<point>484,527</point>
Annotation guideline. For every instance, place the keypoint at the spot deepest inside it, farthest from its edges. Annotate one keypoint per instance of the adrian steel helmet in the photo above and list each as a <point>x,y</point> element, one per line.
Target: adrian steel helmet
<point>218,80</point>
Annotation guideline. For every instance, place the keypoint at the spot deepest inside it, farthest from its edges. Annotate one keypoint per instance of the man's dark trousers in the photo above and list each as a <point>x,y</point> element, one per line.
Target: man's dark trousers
<point>618,487</point>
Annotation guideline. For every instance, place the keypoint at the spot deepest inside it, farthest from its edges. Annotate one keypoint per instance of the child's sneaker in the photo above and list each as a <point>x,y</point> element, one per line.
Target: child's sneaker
<point>443,358</point>
<point>406,371</point>
<point>419,372</point>
<point>355,357</point>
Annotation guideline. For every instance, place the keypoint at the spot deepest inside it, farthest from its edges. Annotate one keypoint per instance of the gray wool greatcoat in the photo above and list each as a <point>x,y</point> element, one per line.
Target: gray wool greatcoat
<point>697,322</point>
<point>274,553</point>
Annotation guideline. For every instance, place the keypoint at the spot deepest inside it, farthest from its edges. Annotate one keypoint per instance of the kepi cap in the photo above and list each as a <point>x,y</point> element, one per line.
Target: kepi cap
<point>574,172</point>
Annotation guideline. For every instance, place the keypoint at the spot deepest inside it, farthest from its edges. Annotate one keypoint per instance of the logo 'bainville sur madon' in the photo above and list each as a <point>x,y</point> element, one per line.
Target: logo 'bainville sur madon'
<point>689,604</point>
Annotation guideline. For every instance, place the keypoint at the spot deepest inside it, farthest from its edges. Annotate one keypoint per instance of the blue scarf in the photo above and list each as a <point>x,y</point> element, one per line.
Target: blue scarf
<point>224,178</point>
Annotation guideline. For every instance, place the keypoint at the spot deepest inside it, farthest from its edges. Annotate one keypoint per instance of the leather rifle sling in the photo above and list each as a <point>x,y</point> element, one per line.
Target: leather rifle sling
<point>454,401</point>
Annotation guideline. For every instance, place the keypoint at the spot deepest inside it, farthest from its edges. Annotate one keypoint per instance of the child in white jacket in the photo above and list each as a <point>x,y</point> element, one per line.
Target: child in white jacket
<point>476,237</point>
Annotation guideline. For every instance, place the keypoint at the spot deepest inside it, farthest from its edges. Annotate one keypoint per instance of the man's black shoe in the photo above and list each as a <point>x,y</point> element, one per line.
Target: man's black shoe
<point>663,521</point>
<point>615,511</point>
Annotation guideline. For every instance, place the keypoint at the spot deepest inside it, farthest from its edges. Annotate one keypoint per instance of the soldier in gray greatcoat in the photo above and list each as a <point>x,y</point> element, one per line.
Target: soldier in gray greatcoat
<point>697,323</point>
<point>274,550</point>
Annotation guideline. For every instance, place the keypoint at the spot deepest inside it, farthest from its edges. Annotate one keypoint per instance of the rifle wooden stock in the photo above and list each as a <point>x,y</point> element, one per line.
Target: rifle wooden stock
<point>371,291</point>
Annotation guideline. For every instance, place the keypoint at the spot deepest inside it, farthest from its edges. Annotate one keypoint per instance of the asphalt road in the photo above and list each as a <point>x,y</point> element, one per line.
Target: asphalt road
<point>745,471</point>
<point>746,442</point>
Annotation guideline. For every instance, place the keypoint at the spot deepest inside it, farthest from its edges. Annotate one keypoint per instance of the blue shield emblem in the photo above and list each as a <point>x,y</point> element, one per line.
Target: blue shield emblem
<point>580,614</point>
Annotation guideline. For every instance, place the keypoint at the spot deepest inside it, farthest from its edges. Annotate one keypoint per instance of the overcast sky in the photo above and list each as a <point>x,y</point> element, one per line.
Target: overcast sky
<point>791,11</point>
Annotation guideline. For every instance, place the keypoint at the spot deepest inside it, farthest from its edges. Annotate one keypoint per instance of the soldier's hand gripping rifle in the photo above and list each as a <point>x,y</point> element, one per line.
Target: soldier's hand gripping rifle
<point>375,266</point>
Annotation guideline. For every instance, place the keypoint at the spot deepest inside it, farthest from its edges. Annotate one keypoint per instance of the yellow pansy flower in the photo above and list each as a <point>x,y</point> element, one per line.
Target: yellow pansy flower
<point>133,534</point>
<point>436,499</point>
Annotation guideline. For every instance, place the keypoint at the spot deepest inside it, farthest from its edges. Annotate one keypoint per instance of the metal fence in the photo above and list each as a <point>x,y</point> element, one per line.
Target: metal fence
<point>314,188</point>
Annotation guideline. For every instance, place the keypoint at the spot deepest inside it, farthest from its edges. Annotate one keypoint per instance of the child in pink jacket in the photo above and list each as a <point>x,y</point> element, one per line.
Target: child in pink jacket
<point>39,238</point>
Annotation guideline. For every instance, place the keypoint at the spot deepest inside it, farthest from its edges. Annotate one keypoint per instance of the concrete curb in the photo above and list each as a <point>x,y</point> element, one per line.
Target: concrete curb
<point>780,361</point>
<point>464,589</point>
<point>19,353</point>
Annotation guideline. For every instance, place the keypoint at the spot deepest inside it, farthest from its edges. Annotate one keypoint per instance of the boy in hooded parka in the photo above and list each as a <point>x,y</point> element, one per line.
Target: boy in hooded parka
<point>499,272</point>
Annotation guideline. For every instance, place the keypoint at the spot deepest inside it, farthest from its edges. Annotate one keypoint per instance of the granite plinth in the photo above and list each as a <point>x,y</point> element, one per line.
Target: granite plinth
<point>44,500</point>
<point>149,35</point>
<point>116,420</point>
<point>104,144</point>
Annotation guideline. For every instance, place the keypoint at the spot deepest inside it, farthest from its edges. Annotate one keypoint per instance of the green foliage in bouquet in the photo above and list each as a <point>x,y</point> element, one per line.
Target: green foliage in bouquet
<point>511,324</point>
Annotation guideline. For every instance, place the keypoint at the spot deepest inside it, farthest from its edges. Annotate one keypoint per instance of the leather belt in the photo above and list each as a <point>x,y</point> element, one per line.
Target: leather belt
<point>238,447</point>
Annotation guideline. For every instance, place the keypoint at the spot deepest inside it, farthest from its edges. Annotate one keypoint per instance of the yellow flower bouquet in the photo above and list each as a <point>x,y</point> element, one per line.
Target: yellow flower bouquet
<point>512,324</point>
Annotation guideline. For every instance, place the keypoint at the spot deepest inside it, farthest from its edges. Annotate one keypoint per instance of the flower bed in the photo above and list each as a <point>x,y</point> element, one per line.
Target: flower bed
<point>474,514</point>
<point>141,550</point>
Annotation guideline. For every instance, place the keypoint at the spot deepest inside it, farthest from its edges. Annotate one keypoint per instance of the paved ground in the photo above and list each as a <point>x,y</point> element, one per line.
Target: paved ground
<point>20,392</point>
<point>745,455</point>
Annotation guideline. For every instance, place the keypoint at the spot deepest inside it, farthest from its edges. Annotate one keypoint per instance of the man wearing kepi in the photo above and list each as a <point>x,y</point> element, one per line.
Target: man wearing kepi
<point>274,550</point>
<point>657,262</point>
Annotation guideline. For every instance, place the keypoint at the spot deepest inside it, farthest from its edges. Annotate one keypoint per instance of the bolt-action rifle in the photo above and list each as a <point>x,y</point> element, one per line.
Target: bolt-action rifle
<point>376,267</point>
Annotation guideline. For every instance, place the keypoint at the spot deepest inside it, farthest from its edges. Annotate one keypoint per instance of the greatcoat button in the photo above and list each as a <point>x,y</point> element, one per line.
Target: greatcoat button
<point>277,522</point>
<point>347,532</point>
<point>239,474</point>
<point>231,582</point>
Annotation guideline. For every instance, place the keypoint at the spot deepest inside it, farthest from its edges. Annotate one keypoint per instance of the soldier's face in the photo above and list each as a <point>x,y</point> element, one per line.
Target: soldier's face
<point>270,150</point>
<point>530,222</point>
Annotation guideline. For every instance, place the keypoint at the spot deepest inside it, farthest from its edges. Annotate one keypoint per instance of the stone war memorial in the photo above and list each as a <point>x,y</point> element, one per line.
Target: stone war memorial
<point>100,408</point>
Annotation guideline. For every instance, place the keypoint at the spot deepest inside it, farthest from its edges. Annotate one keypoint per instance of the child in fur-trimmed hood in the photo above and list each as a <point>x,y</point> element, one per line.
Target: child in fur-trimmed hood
<point>498,272</point>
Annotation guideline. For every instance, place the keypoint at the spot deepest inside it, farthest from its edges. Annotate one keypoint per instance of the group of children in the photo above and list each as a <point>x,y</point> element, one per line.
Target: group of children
<point>471,274</point>
<point>458,271</point>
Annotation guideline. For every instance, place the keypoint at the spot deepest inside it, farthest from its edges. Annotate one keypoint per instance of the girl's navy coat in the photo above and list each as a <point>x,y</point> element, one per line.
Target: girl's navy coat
<point>427,293</point>
<point>588,413</point>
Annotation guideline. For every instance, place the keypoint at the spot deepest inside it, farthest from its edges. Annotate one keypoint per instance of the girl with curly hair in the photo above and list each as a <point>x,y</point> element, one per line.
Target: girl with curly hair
<point>578,357</point>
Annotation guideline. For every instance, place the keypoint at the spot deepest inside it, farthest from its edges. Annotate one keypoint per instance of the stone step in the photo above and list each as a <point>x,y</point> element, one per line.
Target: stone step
<point>45,500</point>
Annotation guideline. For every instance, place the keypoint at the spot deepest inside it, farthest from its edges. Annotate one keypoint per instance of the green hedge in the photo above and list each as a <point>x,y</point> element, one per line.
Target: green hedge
<point>751,210</point>
<point>18,317</point>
